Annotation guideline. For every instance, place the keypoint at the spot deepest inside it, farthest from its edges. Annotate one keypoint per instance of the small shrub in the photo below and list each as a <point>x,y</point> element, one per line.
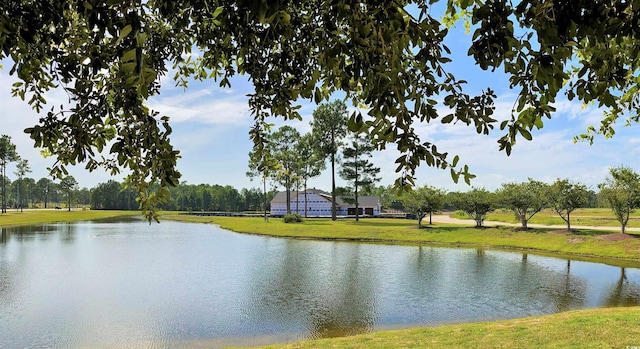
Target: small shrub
<point>292,218</point>
<point>459,214</point>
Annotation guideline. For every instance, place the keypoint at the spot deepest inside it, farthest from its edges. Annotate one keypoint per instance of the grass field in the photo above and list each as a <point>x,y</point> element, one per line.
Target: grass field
<point>596,328</point>
<point>38,216</point>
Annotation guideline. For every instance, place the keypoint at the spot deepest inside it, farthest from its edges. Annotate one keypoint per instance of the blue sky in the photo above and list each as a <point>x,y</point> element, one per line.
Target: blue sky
<point>211,130</point>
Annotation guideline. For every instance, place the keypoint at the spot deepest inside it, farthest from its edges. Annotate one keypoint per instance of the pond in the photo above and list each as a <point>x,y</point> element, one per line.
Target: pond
<point>131,284</point>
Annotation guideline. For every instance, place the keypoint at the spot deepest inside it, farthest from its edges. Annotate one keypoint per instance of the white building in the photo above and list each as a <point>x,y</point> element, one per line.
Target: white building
<point>319,204</point>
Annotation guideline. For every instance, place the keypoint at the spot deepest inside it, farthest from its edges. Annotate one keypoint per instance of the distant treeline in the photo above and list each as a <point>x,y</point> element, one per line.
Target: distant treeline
<point>113,195</point>
<point>184,197</point>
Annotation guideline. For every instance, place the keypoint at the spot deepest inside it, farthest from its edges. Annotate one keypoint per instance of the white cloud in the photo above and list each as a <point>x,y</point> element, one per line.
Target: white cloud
<point>203,106</point>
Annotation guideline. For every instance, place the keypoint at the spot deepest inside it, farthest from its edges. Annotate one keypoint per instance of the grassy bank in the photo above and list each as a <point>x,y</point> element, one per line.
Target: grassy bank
<point>13,218</point>
<point>582,243</point>
<point>597,328</point>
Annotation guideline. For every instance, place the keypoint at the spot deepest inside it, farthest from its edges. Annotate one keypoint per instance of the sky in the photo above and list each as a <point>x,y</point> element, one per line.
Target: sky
<point>211,125</point>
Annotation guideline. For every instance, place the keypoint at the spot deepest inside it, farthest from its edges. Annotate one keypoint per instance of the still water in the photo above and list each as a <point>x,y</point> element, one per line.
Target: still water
<point>131,284</point>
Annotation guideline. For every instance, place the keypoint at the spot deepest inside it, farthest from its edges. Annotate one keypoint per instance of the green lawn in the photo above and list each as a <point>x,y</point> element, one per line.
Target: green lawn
<point>37,216</point>
<point>594,328</point>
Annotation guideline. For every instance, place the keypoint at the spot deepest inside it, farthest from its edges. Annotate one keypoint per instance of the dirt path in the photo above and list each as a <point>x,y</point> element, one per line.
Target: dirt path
<point>444,218</point>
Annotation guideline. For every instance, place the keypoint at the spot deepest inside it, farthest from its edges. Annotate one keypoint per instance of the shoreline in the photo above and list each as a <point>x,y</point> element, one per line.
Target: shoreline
<point>588,257</point>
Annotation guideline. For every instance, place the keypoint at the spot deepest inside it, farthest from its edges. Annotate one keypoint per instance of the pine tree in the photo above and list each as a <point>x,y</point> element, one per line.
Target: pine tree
<point>357,167</point>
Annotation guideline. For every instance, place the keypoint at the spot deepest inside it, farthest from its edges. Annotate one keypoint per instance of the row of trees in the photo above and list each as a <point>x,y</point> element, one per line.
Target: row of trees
<point>620,191</point>
<point>290,159</point>
<point>27,189</point>
<point>112,195</point>
<point>206,197</point>
<point>44,193</point>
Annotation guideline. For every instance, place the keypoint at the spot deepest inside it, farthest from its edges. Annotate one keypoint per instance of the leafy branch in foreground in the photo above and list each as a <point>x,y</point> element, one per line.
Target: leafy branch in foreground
<point>109,57</point>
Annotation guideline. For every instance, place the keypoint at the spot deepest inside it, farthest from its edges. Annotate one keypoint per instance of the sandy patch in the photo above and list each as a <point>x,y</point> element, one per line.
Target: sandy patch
<point>614,237</point>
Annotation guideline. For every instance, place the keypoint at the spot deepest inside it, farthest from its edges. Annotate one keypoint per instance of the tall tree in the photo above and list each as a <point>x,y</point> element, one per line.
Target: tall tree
<point>30,184</point>
<point>476,203</point>
<point>263,164</point>
<point>7,154</point>
<point>41,191</point>
<point>621,190</point>
<point>422,201</point>
<point>357,167</point>
<point>68,184</point>
<point>283,144</point>
<point>329,127</point>
<point>104,196</point>
<point>311,162</point>
<point>524,199</point>
<point>22,168</point>
<point>565,197</point>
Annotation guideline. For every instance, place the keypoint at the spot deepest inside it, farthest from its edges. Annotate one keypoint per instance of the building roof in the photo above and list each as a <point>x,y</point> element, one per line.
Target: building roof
<point>369,201</point>
<point>281,196</point>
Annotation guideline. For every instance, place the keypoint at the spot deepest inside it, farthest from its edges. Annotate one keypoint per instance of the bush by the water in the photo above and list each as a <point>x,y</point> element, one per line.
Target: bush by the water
<point>292,218</point>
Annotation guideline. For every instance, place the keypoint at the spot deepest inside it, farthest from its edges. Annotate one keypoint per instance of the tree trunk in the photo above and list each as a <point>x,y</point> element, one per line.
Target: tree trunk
<point>288,194</point>
<point>69,200</point>
<point>356,195</point>
<point>305,198</point>
<point>19,201</point>
<point>297,197</point>
<point>430,222</point>
<point>623,228</point>
<point>4,201</point>
<point>523,219</point>
<point>479,221</point>
<point>264,193</point>
<point>568,222</point>
<point>333,187</point>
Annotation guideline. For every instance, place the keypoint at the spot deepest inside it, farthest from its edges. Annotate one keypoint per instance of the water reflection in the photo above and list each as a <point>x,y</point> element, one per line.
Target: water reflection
<point>29,232</point>
<point>623,292</point>
<point>131,284</point>
<point>326,292</point>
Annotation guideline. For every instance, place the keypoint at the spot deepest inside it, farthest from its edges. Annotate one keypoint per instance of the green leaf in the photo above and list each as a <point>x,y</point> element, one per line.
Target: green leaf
<point>217,12</point>
<point>447,119</point>
<point>455,161</point>
<point>355,122</point>
<point>538,123</point>
<point>124,32</point>
<point>128,67</point>
<point>455,176</point>
<point>129,56</point>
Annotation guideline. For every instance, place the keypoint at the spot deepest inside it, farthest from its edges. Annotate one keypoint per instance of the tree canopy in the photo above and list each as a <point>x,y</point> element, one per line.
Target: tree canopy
<point>422,201</point>
<point>565,197</point>
<point>476,203</point>
<point>389,56</point>
<point>621,190</point>
<point>524,199</point>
